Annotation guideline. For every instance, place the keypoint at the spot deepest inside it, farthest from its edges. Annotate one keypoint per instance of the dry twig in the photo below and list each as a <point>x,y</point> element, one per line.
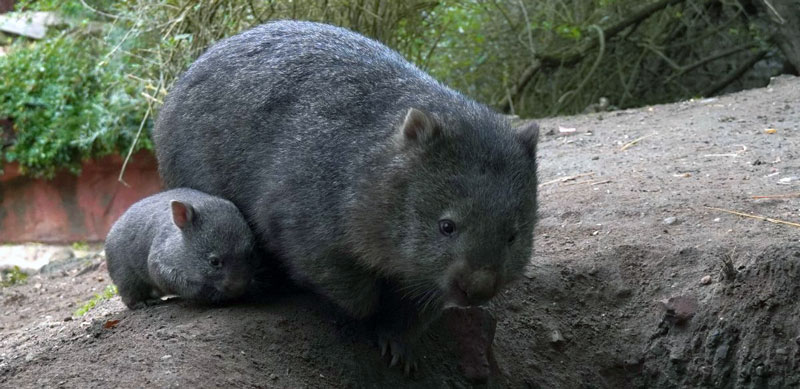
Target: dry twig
<point>780,196</point>
<point>565,179</point>
<point>588,183</point>
<point>764,218</point>
<point>633,142</point>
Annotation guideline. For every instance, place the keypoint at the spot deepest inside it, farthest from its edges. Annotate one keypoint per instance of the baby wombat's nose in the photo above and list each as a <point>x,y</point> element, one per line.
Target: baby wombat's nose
<point>479,286</point>
<point>235,286</point>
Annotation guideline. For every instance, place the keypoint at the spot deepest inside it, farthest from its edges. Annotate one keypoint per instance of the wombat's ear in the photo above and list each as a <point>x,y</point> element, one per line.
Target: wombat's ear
<point>417,127</point>
<point>182,213</point>
<point>528,135</point>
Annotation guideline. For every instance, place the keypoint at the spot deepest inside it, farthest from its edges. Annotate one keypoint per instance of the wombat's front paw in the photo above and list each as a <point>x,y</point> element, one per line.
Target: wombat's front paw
<point>399,350</point>
<point>150,302</point>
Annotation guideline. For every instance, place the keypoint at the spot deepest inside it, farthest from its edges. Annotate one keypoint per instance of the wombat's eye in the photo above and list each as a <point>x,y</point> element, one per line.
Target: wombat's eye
<point>511,238</point>
<point>447,227</point>
<point>215,261</point>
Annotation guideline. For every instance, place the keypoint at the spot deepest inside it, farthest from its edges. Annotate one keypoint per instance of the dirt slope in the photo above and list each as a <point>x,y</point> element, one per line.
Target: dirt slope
<point>615,296</point>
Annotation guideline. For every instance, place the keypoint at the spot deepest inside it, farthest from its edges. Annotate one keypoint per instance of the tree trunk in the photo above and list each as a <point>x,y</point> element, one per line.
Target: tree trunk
<point>784,16</point>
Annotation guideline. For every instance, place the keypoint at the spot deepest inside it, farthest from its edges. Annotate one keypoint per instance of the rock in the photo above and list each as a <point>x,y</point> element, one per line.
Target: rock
<point>556,338</point>
<point>705,280</point>
<point>624,292</point>
<point>530,272</point>
<point>514,306</point>
<point>474,329</point>
<point>28,24</point>
<point>679,309</point>
<point>782,79</point>
<point>671,220</point>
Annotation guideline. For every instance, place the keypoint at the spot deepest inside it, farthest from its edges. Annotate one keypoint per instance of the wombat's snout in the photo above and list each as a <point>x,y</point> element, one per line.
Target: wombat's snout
<point>478,286</point>
<point>233,286</point>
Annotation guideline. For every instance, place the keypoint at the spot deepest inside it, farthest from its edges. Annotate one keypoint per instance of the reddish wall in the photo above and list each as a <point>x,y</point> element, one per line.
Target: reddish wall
<point>6,5</point>
<point>73,208</point>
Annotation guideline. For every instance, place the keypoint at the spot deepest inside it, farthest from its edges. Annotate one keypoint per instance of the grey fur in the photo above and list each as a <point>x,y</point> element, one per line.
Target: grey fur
<point>149,256</point>
<point>308,129</point>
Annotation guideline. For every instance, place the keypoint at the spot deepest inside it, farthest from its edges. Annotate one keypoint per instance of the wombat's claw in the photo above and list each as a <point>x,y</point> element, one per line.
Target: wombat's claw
<point>399,352</point>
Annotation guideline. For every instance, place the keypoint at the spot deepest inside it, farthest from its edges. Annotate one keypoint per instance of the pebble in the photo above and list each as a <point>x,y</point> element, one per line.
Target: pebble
<point>556,338</point>
<point>273,376</point>
<point>670,220</point>
<point>679,309</point>
<point>705,280</point>
<point>624,293</point>
<point>514,306</point>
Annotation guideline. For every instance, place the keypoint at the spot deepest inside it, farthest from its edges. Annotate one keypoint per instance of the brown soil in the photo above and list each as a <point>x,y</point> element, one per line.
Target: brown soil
<point>615,295</point>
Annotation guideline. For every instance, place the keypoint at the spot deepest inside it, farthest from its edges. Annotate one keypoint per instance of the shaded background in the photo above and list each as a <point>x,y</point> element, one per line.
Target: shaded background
<point>91,86</point>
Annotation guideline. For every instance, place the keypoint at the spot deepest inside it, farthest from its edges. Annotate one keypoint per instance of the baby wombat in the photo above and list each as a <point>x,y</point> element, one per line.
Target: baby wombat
<point>381,188</point>
<point>181,242</point>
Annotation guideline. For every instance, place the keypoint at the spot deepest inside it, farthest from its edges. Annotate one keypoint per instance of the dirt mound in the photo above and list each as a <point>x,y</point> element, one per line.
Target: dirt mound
<point>745,333</point>
<point>641,279</point>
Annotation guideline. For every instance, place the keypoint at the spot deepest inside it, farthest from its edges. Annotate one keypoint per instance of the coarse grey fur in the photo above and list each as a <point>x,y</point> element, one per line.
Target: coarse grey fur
<point>209,260</point>
<point>346,159</point>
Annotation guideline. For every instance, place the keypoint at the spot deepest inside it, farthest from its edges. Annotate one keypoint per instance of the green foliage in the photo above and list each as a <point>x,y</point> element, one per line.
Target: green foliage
<point>67,103</point>
<point>84,92</point>
<point>12,277</point>
<point>80,246</point>
<point>107,293</point>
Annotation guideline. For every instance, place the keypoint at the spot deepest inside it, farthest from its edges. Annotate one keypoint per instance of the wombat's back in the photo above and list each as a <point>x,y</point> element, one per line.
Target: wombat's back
<point>288,95</point>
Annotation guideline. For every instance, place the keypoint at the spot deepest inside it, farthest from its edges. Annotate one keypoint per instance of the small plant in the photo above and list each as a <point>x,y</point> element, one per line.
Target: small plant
<point>80,246</point>
<point>66,105</point>
<point>12,277</point>
<point>727,267</point>
<point>107,293</point>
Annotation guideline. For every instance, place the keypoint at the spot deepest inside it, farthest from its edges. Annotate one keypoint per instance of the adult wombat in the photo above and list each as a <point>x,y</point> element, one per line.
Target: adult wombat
<point>381,188</point>
<point>180,242</point>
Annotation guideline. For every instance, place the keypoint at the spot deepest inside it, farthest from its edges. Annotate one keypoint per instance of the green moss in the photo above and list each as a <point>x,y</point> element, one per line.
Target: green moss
<point>109,292</point>
<point>13,277</point>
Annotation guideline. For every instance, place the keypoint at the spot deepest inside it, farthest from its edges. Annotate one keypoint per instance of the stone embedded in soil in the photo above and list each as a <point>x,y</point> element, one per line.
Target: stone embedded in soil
<point>556,339</point>
<point>670,220</point>
<point>473,328</point>
<point>705,280</point>
<point>679,309</point>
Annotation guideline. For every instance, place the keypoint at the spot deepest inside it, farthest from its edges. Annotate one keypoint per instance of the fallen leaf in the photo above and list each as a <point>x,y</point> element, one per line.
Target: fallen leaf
<point>770,131</point>
<point>110,324</point>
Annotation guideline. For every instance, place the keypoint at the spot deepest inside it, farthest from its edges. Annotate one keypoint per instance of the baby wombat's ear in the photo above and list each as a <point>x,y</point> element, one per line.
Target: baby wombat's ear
<point>528,135</point>
<point>418,127</point>
<point>182,213</point>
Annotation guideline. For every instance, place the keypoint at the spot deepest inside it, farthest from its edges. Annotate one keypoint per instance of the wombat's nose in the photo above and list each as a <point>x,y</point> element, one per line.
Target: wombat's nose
<point>479,286</point>
<point>234,286</point>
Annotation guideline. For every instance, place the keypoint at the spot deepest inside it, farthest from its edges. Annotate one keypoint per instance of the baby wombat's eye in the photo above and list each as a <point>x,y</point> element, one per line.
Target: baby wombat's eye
<point>511,238</point>
<point>447,227</point>
<point>215,261</point>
